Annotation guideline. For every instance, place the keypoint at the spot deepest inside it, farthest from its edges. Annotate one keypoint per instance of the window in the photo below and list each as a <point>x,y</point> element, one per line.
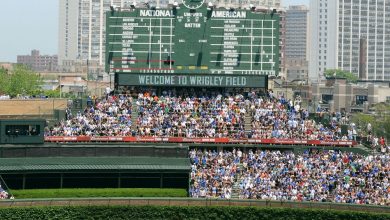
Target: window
<point>360,99</point>
<point>326,98</point>
<point>22,130</point>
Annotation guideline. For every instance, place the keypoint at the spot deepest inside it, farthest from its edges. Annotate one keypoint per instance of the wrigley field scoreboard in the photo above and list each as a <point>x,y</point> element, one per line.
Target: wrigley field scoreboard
<point>192,45</point>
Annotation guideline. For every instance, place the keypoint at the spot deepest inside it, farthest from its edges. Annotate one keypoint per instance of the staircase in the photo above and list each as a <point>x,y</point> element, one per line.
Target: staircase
<point>365,150</point>
<point>248,122</point>
<point>134,115</point>
<point>235,190</point>
<point>236,183</point>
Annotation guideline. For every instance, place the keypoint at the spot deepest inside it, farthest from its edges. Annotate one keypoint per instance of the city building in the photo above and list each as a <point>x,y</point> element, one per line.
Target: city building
<point>297,69</point>
<point>82,30</point>
<point>323,38</point>
<point>68,31</point>
<point>350,35</point>
<point>296,43</point>
<point>282,42</point>
<point>39,62</point>
<point>245,4</point>
<point>336,94</point>
<point>82,25</point>
<point>6,65</point>
<point>296,32</point>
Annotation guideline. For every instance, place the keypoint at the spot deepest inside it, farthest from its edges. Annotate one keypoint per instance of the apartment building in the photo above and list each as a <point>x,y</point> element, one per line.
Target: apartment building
<point>296,49</point>
<point>39,62</point>
<point>351,35</point>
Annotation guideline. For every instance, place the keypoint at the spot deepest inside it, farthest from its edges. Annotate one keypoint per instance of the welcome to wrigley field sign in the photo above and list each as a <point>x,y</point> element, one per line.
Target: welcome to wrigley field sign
<point>192,80</point>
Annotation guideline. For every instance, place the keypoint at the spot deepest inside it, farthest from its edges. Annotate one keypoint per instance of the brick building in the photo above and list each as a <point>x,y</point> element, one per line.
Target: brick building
<point>39,62</point>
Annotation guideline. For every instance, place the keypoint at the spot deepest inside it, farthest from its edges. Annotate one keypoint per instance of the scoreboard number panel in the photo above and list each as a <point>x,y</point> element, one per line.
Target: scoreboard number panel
<point>192,40</point>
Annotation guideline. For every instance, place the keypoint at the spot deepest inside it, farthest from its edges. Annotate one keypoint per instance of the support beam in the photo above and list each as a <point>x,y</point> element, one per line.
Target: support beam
<point>24,182</point>
<point>61,180</point>
<point>119,180</point>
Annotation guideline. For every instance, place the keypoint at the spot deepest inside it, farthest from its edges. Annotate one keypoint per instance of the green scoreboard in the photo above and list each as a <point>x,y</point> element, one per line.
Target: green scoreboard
<point>192,41</point>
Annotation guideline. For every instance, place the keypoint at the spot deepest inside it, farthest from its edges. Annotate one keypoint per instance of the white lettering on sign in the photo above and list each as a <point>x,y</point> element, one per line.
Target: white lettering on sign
<point>196,14</point>
<point>231,21</point>
<point>128,28</point>
<point>235,81</point>
<point>230,38</point>
<point>229,14</point>
<point>192,25</point>
<point>230,43</point>
<point>155,13</point>
<point>127,41</point>
<point>192,80</point>
<point>128,19</point>
<point>206,80</point>
<point>156,80</point>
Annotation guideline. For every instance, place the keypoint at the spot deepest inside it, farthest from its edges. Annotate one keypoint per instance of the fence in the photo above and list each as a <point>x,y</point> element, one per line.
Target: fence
<point>31,107</point>
<point>191,202</point>
<point>150,139</point>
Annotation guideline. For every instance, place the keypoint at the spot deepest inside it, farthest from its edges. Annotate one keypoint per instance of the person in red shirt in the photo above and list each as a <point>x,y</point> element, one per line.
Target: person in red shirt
<point>382,141</point>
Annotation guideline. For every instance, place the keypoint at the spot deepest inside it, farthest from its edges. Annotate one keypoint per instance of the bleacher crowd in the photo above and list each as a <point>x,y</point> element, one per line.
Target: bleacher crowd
<point>312,176</point>
<point>328,176</point>
<point>108,116</point>
<point>201,113</point>
<point>4,194</point>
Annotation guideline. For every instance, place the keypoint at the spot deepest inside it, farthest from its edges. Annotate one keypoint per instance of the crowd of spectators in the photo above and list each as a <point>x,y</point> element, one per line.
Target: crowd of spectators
<point>4,194</point>
<point>276,117</point>
<point>4,97</point>
<point>109,116</point>
<point>8,97</point>
<point>330,176</point>
<point>201,113</point>
<point>190,113</point>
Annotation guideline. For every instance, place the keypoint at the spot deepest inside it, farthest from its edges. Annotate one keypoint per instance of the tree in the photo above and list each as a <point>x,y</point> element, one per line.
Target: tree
<point>4,84</point>
<point>20,81</point>
<point>380,122</point>
<point>343,74</point>
<point>53,93</point>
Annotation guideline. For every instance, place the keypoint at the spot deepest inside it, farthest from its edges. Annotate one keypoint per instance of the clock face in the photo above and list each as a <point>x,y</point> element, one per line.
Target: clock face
<point>193,4</point>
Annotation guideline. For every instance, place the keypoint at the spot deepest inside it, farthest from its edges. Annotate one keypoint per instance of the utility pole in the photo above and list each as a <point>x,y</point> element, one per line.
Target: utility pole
<point>60,86</point>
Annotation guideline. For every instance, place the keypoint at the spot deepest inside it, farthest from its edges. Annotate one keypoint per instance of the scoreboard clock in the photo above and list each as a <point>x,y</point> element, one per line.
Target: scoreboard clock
<point>193,4</point>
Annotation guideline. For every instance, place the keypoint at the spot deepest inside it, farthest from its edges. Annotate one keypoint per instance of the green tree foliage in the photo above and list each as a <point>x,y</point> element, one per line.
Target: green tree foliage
<point>53,93</point>
<point>343,74</point>
<point>4,84</point>
<point>20,81</point>
<point>181,212</point>
<point>380,121</point>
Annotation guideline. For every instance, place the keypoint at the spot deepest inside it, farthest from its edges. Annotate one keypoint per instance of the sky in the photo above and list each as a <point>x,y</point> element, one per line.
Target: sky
<point>295,2</point>
<point>33,24</point>
<point>27,25</point>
